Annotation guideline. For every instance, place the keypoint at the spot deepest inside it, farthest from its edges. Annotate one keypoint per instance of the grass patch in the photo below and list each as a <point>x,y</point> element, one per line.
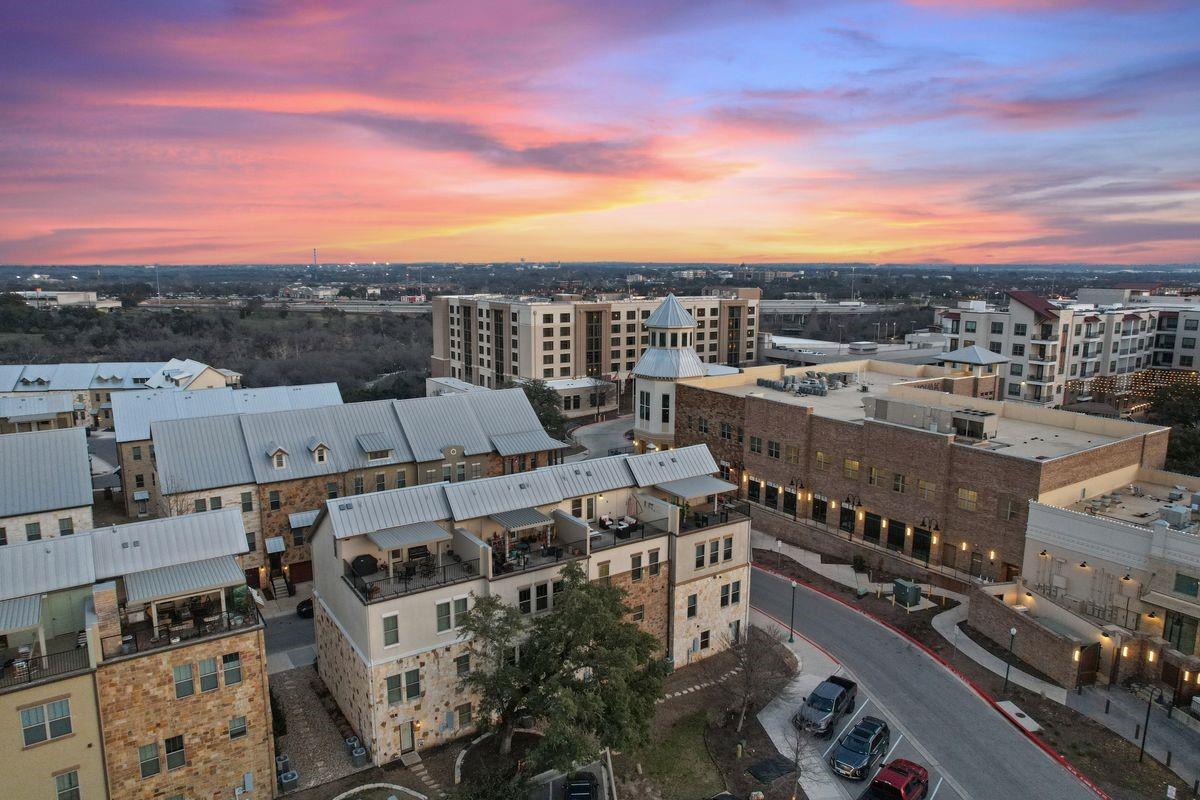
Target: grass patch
<point>677,761</point>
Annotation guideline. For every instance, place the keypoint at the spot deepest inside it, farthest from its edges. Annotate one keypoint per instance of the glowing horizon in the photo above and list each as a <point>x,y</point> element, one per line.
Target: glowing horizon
<point>760,131</point>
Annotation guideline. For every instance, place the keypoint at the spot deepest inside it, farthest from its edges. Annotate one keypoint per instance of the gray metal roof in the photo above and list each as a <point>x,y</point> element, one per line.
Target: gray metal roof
<point>134,411</point>
<point>302,519</point>
<point>44,471</point>
<point>520,519</point>
<point>650,469</point>
<point>510,422</point>
<point>593,476</point>
<point>201,453</point>
<point>48,565</point>
<point>364,513</point>
<point>409,535</point>
<point>974,355</point>
<point>479,498</point>
<point>153,543</point>
<point>34,407</point>
<point>108,375</point>
<point>434,423</point>
<point>699,486</point>
<point>669,362</point>
<point>174,580</point>
<point>373,442</point>
<point>275,544</point>
<point>510,444</point>
<point>670,314</point>
<point>9,374</point>
<point>20,613</point>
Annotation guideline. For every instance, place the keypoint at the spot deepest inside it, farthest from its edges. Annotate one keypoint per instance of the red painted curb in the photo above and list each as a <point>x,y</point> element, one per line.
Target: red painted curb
<point>979,690</point>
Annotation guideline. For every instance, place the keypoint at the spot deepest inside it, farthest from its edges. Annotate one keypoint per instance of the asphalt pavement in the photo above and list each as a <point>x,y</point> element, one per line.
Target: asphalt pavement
<point>600,437</point>
<point>975,751</point>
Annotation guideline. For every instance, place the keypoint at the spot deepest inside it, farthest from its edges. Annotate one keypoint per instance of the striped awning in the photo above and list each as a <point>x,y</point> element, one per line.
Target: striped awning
<point>20,613</point>
<point>409,535</point>
<point>177,580</point>
<point>522,519</point>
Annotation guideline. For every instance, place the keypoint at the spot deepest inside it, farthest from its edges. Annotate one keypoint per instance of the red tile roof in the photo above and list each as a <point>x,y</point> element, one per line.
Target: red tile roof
<point>1039,305</point>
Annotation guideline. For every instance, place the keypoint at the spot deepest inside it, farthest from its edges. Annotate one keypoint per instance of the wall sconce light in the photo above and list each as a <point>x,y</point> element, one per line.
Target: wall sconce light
<point>991,555</point>
<point>1029,594</point>
<point>860,516</point>
<point>1153,615</point>
<point>964,547</point>
<point>1083,565</point>
<point>1187,676</point>
<point>1125,651</point>
<point>1150,656</point>
<point>934,540</point>
<point>1127,578</point>
<point>1104,635</point>
<point>1077,654</point>
<point>908,531</point>
<point>1043,554</point>
<point>883,524</point>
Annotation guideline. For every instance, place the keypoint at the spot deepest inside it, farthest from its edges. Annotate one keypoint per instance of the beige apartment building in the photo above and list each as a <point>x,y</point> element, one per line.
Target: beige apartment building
<point>489,340</point>
<point>133,665</point>
<point>91,387</point>
<point>395,569</point>
<point>280,468</point>
<point>580,398</point>
<point>45,485</point>
<point>36,413</point>
<point>133,413</point>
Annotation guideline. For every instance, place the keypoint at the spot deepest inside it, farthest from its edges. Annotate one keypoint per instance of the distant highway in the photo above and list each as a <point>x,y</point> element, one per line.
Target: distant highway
<point>348,306</point>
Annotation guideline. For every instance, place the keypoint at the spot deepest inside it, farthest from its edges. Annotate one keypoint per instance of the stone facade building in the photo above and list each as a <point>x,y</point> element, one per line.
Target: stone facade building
<point>36,413</point>
<point>395,569</point>
<point>45,485</point>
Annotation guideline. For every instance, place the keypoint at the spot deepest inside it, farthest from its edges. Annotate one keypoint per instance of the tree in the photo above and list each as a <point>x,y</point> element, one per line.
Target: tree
<point>546,404</point>
<point>760,671</point>
<point>1176,403</point>
<point>582,670</point>
<point>1183,449</point>
<point>494,786</point>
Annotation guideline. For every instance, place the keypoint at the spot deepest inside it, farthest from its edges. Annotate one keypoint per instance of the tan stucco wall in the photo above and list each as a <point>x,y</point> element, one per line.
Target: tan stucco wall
<point>15,526</point>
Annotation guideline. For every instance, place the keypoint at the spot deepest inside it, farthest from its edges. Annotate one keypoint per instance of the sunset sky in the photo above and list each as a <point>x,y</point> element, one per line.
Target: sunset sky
<point>976,131</point>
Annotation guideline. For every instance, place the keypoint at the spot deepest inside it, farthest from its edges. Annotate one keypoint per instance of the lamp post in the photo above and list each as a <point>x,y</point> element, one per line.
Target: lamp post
<point>1012,637</point>
<point>792,621</point>
<point>1146,725</point>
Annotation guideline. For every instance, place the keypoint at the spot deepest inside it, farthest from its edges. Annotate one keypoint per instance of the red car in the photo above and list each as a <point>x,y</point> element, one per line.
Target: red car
<point>899,780</point>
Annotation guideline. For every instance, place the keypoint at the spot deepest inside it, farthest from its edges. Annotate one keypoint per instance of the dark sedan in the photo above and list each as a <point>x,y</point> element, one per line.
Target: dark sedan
<point>860,749</point>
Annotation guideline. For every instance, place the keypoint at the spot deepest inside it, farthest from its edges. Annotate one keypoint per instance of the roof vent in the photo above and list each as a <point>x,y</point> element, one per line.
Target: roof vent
<point>345,506</point>
<point>523,486</point>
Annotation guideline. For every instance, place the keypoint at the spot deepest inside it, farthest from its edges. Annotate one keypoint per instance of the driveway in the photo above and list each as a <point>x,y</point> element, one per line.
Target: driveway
<point>102,447</point>
<point>600,437</point>
<point>291,642</point>
<point>977,752</point>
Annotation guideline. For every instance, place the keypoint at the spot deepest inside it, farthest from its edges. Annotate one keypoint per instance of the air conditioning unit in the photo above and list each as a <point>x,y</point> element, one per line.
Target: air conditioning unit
<point>1176,516</point>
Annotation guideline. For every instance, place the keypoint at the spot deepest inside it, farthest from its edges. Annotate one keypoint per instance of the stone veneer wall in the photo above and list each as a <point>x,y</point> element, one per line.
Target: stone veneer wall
<point>138,707</point>
<point>344,674</point>
<point>653,593</point>
<point>710,615</point>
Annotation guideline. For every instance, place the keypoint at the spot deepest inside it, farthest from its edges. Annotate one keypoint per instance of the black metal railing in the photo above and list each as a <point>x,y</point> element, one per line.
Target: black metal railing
<point>613,536</point>
<point>23,670</point>
<point>140,637</point>
<point>723,514</point>
<point>535,559</point>
<point>408,577</point>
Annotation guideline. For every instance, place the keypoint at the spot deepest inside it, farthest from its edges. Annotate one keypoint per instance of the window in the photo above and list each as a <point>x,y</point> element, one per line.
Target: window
<point>541,597</point>
<point>402,479</point>
<point>1019,328</point>
<point>1191,324</point>
<point>137,453</point>
<point>666,409</point>
<point>1018,349</point>
<point>247,502</point>
<point>850,468</point>
<point>148,759</point>
<point>925,489</point>
<point>3,536</point>
<point>602,572</point>
<point>714,551</point>
<point>638,612</point>
<point>320,455</point>
<point>997,328</point>
<point>1187,584</point>
<point>724,595</point>
<point>231,664</point>
<point>444,617</point>
<point>358,484</point>
<point>395,689</point>
<point>464,714</point>
<point>209,681</point>
<point>772,449</point>
<point>792,454</point>
<point>462,665</point>
<point>331,490</point>
<point>653,562</point>
<point>702,425</point>
<point>635,569</point>
<point>381,480</point>
<point>969,326</point>
<point>176,756</point>
<point>755,444</point>
<point>237,727</point>
<point>391,630</point>
<point>704,642</point>
<point>644,406</point>
<point>822,460</point>
<point>874,476</point>
<point>412,684</point>
<point>967,499</point>
<point>66,526</point>
<point>899,483</point>
<point>273,499</point>
<point>691,606</point>
<point>139,481</point>
<point>726,431</point>
<point>700,556</point>
<point>727,553</point>
<point>49,721</point>
<point>199,505</point>
<point>185,685</point>
<point>66,786</point>
<point>735,594</point>
<point>1008,509</point>
<point>279,460</point>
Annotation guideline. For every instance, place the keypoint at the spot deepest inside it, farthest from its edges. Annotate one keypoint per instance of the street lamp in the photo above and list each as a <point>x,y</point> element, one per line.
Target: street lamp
<point>1146,725</point>
<point>1012,637</point>
<point>792,621</point>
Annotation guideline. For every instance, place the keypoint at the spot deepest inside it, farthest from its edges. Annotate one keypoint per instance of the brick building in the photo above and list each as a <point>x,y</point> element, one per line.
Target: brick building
<point>394,569</point>
<point>134,664</point>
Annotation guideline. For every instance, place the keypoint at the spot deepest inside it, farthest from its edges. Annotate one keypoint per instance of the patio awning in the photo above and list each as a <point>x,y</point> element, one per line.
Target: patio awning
<point>275,544</point>
<point>20,613</point>
<point>522,519</point>
<point>699,486</point>
<point>302,519</point>
<point>1172,603</point>
<point>409,535</point>
<point>177,580</point>
<point>141,494</point>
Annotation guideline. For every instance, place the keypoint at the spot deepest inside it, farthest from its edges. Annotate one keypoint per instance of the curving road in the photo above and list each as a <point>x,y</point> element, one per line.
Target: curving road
<point>979,752</point>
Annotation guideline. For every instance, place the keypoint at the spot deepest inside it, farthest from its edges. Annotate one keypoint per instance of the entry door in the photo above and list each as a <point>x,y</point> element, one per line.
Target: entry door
<point>949,554</point>
<point>976,564</point>
<point>922,541</point>
<point>406,737</point>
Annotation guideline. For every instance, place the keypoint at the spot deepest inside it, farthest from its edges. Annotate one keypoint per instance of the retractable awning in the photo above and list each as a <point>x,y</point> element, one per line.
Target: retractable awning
<point>699,486</point>
<point>522,519</point>
<point>409,535</point>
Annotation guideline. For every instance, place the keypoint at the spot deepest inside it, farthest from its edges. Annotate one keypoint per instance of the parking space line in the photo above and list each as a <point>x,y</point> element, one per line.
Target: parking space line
<point>937,786</point>
<point>853,721</point>
<point>892,749</point>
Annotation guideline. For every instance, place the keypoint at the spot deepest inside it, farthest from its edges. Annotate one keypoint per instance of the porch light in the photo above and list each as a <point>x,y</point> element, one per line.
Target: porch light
<point>1083,565</point>
<point>1043,554</point>
<point>1030,594</point>
<point>1150,656</point>
<point>1153,615</point>
<point>991,555</point>
<point>1125,651</point>
<point>860,516</point>
<point>1077,654</point>
<point>1127,578</point>
<point>934,539</point>
<point>1187,676</point>
<point>964,547</point>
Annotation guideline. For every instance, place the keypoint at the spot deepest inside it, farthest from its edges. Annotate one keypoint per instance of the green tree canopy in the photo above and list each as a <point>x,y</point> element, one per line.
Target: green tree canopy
<point>1176,403</point>
<point>584,671</point>
<point>546,404</point>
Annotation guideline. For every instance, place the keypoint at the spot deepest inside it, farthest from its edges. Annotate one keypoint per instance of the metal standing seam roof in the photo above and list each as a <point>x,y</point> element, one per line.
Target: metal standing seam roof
<point>486,496</point>
<point>44,471</point>
<point>409,535</point>
<point>302,519</point>
<point>699,486</point>
<point>373,442</point>
<point>666,362</point>
<point>510,444</point>
<point>275,544</point>
<point>153,543</point>
<point>364,513</point>
<point>432,424</point>
<point>36,406</point>
<point>670,314</point>
<point>520,519</point>
<point>174,580</point>
<point>20,613</point>
<point>201,453</point>
<point>593,476</point>
<point>669,465</point>
<point>974,355</point>
<point>46,566</point>
<point>9,375</point>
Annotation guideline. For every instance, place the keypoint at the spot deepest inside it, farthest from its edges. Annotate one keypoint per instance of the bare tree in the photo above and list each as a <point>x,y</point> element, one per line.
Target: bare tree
<point>762,668</point>
<point>798,746</point>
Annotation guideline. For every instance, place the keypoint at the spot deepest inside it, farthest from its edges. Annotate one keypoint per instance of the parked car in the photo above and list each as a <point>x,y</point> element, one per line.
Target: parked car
<point>581,786</point>
<point>304,609</point>
<point>861,748</point>
<point>899,780</point>
<point>826,705</point>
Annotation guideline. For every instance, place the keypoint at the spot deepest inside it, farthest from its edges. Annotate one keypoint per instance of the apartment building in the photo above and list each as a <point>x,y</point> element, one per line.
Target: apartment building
<point>490,339</point>
<point>45,485</point>
<point>394,570</point>
<point>37,413</point>
<point>279,468</point>
<point>91,387</point>
<point>580,398</point>
<point>1066,351</point>
<point>132,665</point>
<point>133,413</point>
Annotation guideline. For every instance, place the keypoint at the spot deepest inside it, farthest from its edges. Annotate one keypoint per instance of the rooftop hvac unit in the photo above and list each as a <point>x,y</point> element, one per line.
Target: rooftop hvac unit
<point>1176,516</point>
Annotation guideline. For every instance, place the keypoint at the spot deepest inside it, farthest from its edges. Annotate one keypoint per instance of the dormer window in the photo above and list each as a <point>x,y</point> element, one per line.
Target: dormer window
<point>377,455</point>
<point>320,455</point>
<point>280,460</point>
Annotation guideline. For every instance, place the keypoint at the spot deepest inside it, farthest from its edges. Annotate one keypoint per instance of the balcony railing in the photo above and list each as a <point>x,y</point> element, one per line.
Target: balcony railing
<point>22,671</point>
<point>604,539</point>
<point>709,518</point>
<point>425,574</point>
<point>140,637</point>
<point>533,560</point>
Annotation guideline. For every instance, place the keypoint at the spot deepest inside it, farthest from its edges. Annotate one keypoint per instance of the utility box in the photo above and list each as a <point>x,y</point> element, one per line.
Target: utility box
<point>907,593</point>
<point>289,780</point>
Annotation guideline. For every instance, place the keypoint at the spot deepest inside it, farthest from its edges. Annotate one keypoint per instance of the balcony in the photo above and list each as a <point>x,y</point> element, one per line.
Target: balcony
<point>26,664</point>
<point>374,582</point>
<point>1042,357</point>
<point>188,624</point>
<point>618,533</point>
<point>706,516</point>
<point>1040,377</point>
